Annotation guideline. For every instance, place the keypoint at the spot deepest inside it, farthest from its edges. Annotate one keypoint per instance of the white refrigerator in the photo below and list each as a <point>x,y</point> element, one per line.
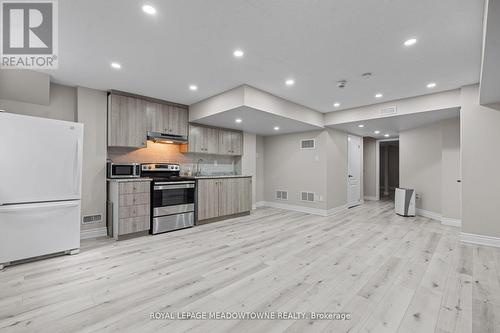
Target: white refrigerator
<point>40,186</point>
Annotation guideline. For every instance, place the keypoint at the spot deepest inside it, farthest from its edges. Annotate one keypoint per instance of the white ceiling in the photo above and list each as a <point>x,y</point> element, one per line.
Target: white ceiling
<point>256,121</point>
<point>315,42</point>
<point>395,124</point>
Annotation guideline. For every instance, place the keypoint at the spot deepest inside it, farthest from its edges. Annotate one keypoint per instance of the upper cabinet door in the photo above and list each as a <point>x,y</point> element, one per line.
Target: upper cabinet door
<point>211,136</point>
<point>178,120</point>
<point>196,139</point>
<point>126,121</point>
<point>157,119</point>
<point>225,142</point>
<point>236,143</point>
<point>230,142</point>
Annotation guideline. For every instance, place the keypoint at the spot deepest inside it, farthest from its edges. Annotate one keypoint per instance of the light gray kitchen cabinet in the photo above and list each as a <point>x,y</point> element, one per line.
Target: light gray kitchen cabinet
<point>126,121</point>
<point>230,142</point>
<point>178,120</point>
<point>168,119</point>
<point>130,117</point>
<point>157,117</point>
<point>220,198</point>
<point>203,140</point>
<point>208,198</point>
<point>130,208</point>
<point>211,140</point>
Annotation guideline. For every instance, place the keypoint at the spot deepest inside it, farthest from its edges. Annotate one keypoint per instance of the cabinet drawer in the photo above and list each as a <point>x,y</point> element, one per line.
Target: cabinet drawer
<point>134,211</point>
<point>134,187</point>
<point>134,199</point>
<point>133,224</point>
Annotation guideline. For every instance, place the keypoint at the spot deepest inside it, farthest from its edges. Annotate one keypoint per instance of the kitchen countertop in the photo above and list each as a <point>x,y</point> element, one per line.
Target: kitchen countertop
<point>125,180</point>
<point>224,176</point>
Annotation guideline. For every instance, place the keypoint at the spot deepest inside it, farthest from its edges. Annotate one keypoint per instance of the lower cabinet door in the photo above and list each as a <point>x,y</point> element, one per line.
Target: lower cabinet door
<point>208,198</point>
<point>235,196</point>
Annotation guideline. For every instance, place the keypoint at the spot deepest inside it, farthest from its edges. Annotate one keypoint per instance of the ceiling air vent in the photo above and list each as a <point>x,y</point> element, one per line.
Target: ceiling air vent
<point>308,144</point>
<point>389,111</point>
<point>92,218</point>
<point>307,196</point>
<point>281,195</point>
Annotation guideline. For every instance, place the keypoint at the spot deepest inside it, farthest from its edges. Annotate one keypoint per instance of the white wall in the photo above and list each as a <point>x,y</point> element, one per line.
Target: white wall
<point>480,165</point>
<point>249,161</point>
<point>322,171</point>
<point>92,112</point>
<point>429,164</point>
<point>25,86</point>
<point>259,155</point>
<point>370,168</point>
<point>420,165</point>
<point>336,178</point>
<point>289,168</point>
<point>450,158</point>
<point>61,106</point>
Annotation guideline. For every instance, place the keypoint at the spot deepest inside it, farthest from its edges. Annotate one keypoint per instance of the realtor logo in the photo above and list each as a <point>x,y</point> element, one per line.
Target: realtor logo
<point>29,34</point>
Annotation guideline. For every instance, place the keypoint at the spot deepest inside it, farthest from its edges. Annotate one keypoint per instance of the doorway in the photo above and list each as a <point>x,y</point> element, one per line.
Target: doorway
<point>388,174</point>
<point>353,170</point>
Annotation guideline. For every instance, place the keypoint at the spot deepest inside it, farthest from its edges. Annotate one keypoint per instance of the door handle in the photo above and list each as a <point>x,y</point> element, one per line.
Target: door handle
<point>350,176</point>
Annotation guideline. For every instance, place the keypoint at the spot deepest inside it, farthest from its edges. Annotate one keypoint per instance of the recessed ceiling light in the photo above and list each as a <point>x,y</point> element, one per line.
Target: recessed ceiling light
<point>379,95</point>
<point>410,42</point>
<point>193,87</point>
<point>431,85</point>
<point>116,65</point>
<point>377,132</point>
<point>238,53</point>
<point>276,128</point>
<point>336,104</point>
<point>290,82</point>
<point>149,9</point>
<point>238,120</point>
<point>361,125</point>
<point>386,135</point>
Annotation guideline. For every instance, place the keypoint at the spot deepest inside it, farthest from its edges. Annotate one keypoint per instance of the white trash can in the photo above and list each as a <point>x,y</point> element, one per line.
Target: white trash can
<point>404,201</point>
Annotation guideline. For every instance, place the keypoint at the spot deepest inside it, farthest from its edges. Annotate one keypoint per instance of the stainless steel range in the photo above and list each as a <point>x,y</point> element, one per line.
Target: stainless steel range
<point>172,197</point>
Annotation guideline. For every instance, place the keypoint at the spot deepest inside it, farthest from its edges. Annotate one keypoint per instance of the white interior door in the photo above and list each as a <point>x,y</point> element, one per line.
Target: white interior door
<point>353,170</point>
<point>41,159</point>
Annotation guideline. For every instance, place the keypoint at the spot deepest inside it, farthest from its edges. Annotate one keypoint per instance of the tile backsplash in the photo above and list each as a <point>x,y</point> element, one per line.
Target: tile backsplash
<point>170,153</point>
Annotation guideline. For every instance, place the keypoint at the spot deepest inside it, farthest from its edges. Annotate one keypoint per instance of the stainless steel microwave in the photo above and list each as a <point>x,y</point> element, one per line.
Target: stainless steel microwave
<point>124,170</point>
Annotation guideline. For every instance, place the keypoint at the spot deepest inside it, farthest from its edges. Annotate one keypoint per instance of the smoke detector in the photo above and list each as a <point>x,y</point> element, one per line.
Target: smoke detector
<point>341,84</point>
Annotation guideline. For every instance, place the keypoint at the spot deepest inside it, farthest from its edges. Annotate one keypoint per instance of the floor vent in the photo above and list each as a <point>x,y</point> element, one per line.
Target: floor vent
<point>92,218</point>
<point>281,195</point>
<point>308,144</point>
<point>307,196</point>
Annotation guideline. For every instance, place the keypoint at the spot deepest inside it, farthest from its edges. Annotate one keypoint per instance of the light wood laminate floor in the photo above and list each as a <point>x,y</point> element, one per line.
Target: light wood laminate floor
<point>393,274</point>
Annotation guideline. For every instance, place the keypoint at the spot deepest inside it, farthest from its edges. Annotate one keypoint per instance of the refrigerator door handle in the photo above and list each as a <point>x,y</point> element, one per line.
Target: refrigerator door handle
<point>76,168</point>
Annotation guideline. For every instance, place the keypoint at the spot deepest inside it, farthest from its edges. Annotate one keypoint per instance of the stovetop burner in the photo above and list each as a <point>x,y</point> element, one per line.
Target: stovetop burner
<point>163,172</point>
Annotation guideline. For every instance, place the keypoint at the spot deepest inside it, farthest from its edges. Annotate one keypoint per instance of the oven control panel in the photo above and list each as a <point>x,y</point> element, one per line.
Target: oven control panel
<point>160,167</point>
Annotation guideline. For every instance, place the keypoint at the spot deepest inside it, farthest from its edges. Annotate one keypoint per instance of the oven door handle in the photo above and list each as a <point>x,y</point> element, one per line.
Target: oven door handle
<point>172,187</point>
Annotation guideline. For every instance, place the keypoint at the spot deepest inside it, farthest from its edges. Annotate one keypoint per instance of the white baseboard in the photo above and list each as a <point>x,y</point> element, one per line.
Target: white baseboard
<point>260,204</point>
<point>336,210</point>
<point>451,222</point>
<point>479,239</point>
<point>428,214</point>
<point>302,209</point>
<point>93,233</point>
<point>369,198</point>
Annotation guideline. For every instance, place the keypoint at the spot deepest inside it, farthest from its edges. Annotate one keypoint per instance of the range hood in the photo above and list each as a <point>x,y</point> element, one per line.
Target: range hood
<point>167,138</point>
